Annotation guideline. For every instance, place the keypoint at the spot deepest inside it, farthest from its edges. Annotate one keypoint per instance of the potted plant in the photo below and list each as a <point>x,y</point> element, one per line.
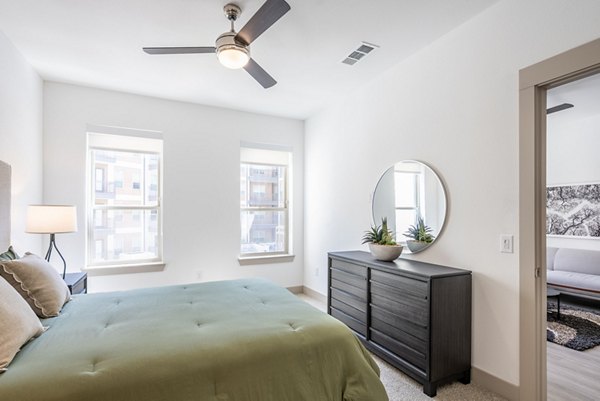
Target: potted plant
<point>381,242</point>
<point>420,234</point>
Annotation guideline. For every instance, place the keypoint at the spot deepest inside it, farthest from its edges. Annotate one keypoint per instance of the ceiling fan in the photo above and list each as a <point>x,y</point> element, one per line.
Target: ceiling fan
<point>233,49</point>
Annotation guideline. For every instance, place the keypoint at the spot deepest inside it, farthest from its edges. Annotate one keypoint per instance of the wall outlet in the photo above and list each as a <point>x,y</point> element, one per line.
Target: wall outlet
<point>316,272</point>
<point>198,274</point>
<point>506,243</point>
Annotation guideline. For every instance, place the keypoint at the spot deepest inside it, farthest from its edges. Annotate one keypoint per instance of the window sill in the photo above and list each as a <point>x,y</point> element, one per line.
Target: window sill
<point>262,260</point>
<point>124,269</point>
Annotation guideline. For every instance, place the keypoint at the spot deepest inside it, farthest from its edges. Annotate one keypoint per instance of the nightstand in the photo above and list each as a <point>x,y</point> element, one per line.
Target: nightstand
<point>77,282</point>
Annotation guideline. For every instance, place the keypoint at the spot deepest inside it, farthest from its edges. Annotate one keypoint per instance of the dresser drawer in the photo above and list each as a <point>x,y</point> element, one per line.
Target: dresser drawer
<point>350,289</point>
<point>416,312</point>
<point>349,321</point>
<point>349,278</point>
<point>399,323</point>
<point>349,267</point>
<point>418,344</point>
<point>401,350</point>
<point>349,299</point>
<point>401,284</point>
<point>349,310</point>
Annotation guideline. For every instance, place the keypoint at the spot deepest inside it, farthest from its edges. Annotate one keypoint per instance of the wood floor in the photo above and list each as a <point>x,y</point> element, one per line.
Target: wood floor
<point>574,375</point>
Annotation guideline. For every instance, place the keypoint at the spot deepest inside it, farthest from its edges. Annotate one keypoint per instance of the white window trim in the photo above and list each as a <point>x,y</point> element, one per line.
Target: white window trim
<point>273,257</point>
<point>419,207</point>
<point>103,138</point>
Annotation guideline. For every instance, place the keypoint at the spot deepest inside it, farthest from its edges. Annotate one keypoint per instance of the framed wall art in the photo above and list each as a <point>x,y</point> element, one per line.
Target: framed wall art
<point>573,210</point>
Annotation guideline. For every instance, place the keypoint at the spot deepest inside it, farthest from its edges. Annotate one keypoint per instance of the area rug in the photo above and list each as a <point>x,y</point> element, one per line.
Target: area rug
<point>577,329</point>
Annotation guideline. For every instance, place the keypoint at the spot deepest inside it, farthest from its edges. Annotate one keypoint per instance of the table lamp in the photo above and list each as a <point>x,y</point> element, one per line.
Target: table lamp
<point>52,219</point>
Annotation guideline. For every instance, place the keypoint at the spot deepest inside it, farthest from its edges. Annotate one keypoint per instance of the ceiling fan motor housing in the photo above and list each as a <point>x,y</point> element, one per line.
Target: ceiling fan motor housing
<point>226,43</point>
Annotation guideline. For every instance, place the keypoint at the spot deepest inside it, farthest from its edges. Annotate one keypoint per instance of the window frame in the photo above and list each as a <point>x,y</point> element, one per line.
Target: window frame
<point>128,265</point>
<point>418,187</point>
<point>285,208</point>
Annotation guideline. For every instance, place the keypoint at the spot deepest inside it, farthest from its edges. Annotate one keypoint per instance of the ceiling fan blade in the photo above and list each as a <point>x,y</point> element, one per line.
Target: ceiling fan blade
<point>259,74</point>
<point>267,15</point>
<point>179,50</point>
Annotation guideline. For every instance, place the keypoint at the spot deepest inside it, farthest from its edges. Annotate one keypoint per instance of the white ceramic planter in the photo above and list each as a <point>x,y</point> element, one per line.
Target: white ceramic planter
<point>385,253</point>
<point>416,246</point>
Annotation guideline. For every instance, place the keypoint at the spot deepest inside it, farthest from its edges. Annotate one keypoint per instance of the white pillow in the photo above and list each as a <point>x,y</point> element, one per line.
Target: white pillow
<point>18,323</point>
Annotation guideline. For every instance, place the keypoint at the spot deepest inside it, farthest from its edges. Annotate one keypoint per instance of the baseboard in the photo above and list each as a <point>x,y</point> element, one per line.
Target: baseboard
<point>495,384</point>
<point>296,289</point>
<point>314,294</point>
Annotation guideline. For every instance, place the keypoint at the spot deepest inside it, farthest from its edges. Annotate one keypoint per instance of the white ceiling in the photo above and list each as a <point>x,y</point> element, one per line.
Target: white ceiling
<point>98,43</point>
<point>583,94</point>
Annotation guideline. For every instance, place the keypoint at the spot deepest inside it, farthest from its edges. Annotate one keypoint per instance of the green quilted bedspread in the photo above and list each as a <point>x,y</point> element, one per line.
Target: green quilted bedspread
<point>241,340</point>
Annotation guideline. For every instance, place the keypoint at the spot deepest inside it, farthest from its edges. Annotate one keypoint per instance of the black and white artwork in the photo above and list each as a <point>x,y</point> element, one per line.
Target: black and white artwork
<point>573,210</point>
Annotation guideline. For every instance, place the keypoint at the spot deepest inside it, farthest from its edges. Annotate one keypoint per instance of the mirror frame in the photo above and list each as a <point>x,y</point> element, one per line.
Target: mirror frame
<point>446,203</point>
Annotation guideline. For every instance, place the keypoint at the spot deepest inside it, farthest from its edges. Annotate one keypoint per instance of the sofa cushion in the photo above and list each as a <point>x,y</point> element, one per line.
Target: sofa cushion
<point>572,280</point>
<point>577,260</point>
<point>550,253</point>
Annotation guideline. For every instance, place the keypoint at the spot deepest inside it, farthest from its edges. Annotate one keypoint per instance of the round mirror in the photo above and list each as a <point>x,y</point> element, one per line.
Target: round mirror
<point>412,198</point>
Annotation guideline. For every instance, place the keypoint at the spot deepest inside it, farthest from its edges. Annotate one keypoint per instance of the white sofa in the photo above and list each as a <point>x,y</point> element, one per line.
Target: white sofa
<point>574,271</point>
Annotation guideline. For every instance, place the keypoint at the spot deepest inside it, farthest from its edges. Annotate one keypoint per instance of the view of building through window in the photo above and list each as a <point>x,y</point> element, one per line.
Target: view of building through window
<point>124,220</point>
<point>264,208</point>
<point>407,199</point>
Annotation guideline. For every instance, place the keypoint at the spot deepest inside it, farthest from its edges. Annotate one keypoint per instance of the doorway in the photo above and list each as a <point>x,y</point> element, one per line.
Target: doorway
<point>573,239</point>
<point>534,82</point>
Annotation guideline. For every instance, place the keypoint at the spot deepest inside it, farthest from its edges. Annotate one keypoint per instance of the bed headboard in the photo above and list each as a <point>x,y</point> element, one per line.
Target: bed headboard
<point>5,188</point>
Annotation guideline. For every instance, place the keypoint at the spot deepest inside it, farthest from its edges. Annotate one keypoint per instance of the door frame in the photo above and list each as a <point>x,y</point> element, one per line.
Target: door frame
<point>534,81</point>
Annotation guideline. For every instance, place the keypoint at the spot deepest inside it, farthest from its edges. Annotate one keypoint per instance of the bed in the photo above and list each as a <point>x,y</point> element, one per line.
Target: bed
<point>240,340</point>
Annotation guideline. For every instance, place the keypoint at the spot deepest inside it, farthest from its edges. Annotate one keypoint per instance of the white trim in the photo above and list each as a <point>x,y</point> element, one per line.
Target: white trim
<point>266,146</point>
<point>495,384</point>
<point>309,292</point>
<point>256,157</point>
<point>127,143</point>
<point>572,185</point>
<point>121,140</point>
<point>124,131</point>
<point>124,269</point>
<point>266,259</point>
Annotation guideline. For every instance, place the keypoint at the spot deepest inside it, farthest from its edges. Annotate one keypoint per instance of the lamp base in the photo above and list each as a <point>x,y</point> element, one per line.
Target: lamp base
<point>49,254</point>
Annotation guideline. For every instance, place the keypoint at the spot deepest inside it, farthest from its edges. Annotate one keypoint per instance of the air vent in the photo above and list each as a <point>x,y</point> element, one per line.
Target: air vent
<point>361,51</point>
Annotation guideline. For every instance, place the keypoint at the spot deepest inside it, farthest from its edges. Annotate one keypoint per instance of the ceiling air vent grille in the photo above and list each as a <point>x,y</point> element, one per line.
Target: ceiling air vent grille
<point>363,49</point>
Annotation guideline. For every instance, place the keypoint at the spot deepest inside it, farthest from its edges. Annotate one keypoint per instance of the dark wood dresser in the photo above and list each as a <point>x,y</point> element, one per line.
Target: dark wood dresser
<point>414,315</point>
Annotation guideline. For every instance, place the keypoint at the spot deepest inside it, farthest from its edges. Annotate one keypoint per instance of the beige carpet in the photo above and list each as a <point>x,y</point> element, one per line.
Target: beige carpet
<point>402,388</point>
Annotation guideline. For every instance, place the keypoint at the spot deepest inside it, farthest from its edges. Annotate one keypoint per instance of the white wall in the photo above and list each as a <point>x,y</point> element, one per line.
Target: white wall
<point>21,139</point>
<point>201,180</point>
<point>572,158</point>
<point>454,105</point>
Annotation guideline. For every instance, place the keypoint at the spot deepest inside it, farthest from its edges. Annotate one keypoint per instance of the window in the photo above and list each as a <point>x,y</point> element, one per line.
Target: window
<point>124,200</point>
<point>99,179</point>
<point>264,202</point>
<point>408,183</point>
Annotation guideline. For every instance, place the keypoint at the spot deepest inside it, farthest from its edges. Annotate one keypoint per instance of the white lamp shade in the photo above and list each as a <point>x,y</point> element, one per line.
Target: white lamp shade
<point>51,219</point>
<point>233,58</point>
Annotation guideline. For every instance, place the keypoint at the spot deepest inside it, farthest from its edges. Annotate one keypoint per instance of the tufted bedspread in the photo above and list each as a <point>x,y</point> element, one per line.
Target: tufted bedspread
<point>242,340</point>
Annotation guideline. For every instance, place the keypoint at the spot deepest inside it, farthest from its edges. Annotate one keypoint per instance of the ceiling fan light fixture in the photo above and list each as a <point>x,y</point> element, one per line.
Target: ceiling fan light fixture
<point>233,48</point>
<point>233,57</point>
<point>231,53</point>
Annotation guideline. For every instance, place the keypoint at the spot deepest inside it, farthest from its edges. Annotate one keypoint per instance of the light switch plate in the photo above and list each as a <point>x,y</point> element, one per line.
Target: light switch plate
<point>506,243</point>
